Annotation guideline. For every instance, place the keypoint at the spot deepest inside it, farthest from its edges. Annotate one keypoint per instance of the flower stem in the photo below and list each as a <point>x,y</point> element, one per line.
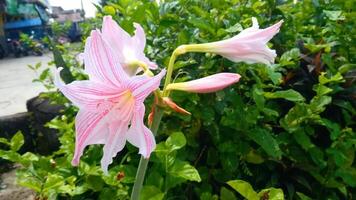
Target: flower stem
<point>178,51</point>
<point>140,175</point>
<point>142,167</point>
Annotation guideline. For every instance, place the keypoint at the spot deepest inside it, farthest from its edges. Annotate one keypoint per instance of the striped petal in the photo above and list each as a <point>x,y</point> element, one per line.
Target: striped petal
<point>86,94</point>
<point>141,86</point>
<point>249,46</point>
<point>119,118</point>
<point>128,49</point>
<point>114,143</point>
<point>139,135</point>
<point>100,62</point>
<point>207,84</point>
<point>91,128</point>
<point>115,36</point>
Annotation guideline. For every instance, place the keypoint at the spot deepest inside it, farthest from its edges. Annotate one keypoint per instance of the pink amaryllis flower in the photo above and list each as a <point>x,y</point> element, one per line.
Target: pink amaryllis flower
<point>129,49</point>
<point>111,108</point>
<point>249,46</point>
<point>207,84</point>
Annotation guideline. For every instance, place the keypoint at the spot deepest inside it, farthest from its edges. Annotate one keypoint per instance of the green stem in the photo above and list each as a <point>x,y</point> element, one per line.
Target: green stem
<point>178,51</point>
<point>140,175</point>
<point>142,167</point>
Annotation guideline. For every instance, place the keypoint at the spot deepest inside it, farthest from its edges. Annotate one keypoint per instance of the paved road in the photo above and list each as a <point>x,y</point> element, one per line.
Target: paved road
<point>16,85</point>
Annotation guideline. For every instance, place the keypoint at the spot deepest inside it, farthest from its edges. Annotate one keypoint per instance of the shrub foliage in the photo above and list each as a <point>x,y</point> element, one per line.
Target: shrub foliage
<point>289,126</point>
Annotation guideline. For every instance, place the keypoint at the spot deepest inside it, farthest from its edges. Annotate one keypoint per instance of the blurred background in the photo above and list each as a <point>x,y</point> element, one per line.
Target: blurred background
<point>23,26</point>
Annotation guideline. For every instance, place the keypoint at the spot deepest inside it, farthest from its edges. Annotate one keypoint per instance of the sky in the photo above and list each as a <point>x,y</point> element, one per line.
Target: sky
<point>75,4</point>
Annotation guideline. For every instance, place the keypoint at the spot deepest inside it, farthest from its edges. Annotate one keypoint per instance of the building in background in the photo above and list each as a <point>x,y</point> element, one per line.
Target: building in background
<point>60,15</point>
<point>22,16</point>
<point>74,16</point>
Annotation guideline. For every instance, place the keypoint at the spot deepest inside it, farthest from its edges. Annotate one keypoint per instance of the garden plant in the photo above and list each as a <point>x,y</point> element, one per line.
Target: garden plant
<point>240,99</point>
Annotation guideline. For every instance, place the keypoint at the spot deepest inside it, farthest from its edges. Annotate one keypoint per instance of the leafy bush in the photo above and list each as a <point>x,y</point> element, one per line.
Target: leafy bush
<point>289,125</point>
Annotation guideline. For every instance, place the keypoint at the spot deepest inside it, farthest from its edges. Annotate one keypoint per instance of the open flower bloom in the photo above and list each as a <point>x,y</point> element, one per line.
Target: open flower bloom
<point>249,46</point>
<point>129,49</point>
<point>207,84</point>
<point>111,108</point>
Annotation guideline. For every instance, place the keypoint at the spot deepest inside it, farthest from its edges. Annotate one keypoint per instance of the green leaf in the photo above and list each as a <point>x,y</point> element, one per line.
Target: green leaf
<point>318,103</point>
<point>337,78</point>
<point>342,158</point>
<point>289,57</point>
<point>108,193</point>
<point>176,141</point>
<point>226,194</point>
<point>334,128</point>
<point>53,181</point>
<point>45,73</point>
<point>295,116</point>
<point>17,141</point>
<point>275,77</point>
<point>272,194</point>
<point>181,64</point>
<point>151,193</point>
<point>32,182</point>
<point>235,28</point>
<point>202,24</point>
<point>290,95</point>
<point>334,15</point>
<point>96,183</point>
<point>253,157</point>
<point>302,139</point>
<point>184,170</point>
<point>5,141</point>
<point>10,155</point>
<point>348,174</point>
<point>28,158</point>
<point>268,143</point>
<point>321,89</point>
<point>346,68</point>
<point>318,157</point>
<point>303,196</point>
<point>244,188</point>
<point>258,97</point>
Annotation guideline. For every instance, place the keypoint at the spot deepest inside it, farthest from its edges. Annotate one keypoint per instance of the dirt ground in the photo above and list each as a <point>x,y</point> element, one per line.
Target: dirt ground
<point>10,191</point>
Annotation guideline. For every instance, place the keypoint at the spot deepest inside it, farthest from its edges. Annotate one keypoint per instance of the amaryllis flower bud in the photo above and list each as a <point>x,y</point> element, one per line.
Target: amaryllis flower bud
<point>207,84</point>
<point>249,46</point>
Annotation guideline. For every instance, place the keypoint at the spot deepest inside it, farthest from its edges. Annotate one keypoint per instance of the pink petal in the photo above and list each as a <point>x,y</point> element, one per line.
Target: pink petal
<point>115,35</point>
<point>207,84</point>
<point>100,128</point>
<point>114,143</point>
<point>139,135</point>
<point>259,54</point>
<point>142,86</point>
<point>118,120</point>
<point>248,46</point>
<point>267,33</point>
<point>127,48</point>
<point>100,62</point>
<point>90,129</point>
<point>86,94</point>
<point>139,38</point>
<point>151,65</point>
